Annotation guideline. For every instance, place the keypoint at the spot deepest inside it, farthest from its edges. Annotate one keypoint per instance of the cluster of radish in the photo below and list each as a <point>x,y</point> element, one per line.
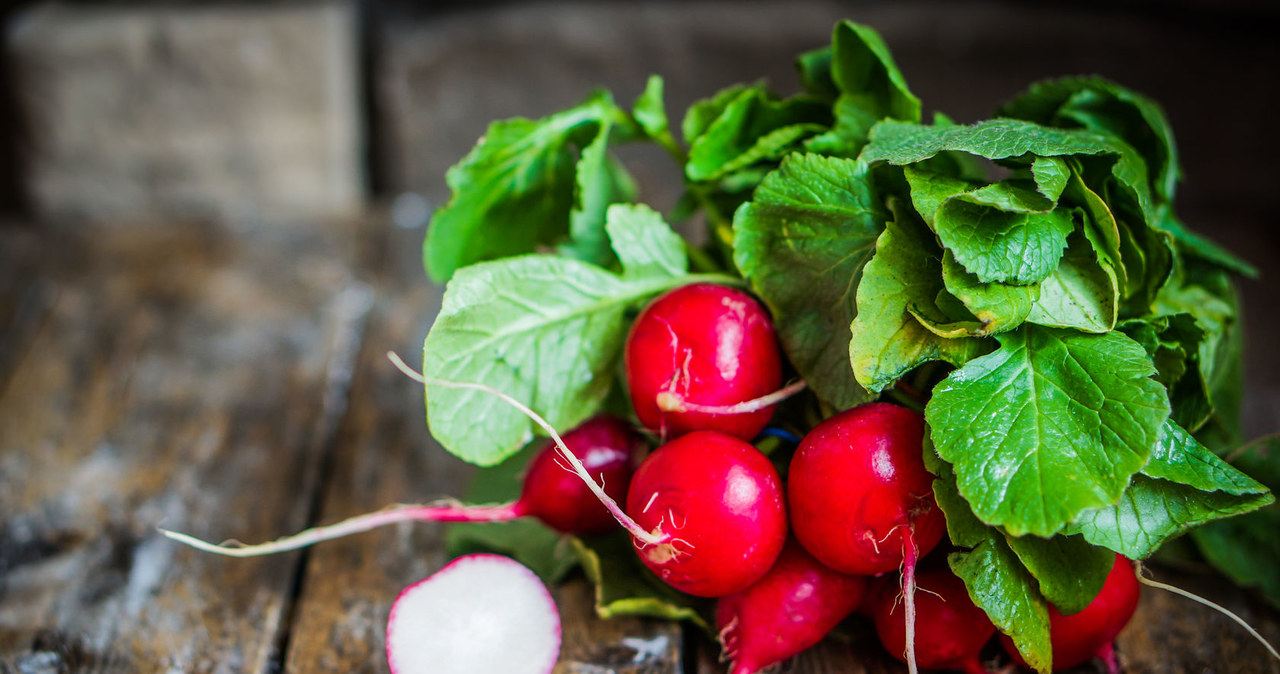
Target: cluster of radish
<point>709,514</point>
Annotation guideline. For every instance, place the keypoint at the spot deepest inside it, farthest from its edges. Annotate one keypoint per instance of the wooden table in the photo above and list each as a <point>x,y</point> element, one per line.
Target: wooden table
<point>235,384</point>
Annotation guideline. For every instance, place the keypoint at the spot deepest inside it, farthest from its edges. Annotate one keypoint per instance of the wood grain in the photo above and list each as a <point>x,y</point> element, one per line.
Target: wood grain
<point>179,378</point>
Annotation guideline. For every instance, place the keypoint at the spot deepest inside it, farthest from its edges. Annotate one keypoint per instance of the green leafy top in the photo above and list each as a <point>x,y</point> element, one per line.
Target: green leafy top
<point>1025,279</point>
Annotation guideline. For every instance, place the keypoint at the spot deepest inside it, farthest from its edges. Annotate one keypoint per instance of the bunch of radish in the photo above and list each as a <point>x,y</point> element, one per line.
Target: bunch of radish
<point>746,412</point>
<point>709,515</point>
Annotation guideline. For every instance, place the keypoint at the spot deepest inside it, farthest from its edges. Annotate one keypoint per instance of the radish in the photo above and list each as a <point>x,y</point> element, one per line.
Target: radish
<point>715,504</point>
<point>479,614</point>
<point>952,630</point>
<point>795,604</point>
<point>861,499</point>
<point>607,448</point>
<point>1080,637</point>
<point>704,357</point>
<point>705,491</point>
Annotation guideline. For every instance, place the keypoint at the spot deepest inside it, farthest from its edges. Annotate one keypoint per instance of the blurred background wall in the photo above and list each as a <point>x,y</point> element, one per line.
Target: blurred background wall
<point>254,112</point>
<point>248,114</point>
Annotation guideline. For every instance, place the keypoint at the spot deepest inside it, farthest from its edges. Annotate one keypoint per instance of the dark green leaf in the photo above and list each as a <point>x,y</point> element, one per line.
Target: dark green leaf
<point>802,243</point>
<point>870,88</point>
<point>755,126</point>
<point>702,113</point>
<point>1246,548</point>
<point>624,586</point>
<point>1068,570</point>
<point>814,69</point>
<point>1182,487</point>
<point>527,540</point>
<point>995,233</point>
<point>1051,424</point>
<point>1000,586</point>
<point>887,340</point>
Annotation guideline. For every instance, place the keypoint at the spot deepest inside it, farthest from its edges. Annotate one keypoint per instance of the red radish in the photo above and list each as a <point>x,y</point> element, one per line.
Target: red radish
<point>607,448</point>
<point>858,490</point>
<point>480,614</point>
<point>717,505</point>
<point>704,357</point>
<point>795,604</point>
<point>952,631</point>
<point>1091,633</point>
<point>861,499</point>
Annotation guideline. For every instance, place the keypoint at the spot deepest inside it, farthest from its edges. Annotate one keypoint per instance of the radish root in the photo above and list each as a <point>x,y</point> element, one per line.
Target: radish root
<point>655,537</point>
<point>909,553</point>
<point>360,523</point>
<point>1201,600</point>
<point>669,401</point>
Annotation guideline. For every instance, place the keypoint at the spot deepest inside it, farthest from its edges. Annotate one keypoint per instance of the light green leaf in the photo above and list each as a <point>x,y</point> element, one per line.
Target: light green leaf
<point>600,182</point>
<point>646,245</point>
<point>802,243</point>
<point>702,113</point>
<point>1051,424</point>
<point>1051,176</point>
<point>901,143</point>
<point>1079,294</point>
<point>887,340</point>
<point>514,191</point>
<point>545,330</point>
<point>650,113</point>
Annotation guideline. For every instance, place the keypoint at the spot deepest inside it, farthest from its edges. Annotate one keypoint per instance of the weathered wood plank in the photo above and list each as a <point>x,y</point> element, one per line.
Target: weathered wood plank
<point>180,377</point>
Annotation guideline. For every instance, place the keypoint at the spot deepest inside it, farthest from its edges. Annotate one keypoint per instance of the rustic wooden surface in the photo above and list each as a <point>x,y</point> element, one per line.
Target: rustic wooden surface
<point>236,385</point>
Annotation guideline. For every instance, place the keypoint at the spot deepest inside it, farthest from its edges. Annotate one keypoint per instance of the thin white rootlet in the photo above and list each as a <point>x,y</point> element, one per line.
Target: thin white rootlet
<point>481,614</point>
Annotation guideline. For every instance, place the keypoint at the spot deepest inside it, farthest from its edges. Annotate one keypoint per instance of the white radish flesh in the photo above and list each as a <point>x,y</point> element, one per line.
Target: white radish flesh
<point>480,614</point>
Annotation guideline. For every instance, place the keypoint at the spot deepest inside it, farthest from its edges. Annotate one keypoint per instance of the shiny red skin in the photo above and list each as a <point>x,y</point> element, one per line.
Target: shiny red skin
<point>857,483</point>
<point>609,449</point>
<point>711,345</point>
<point>723,502</point>
<point>1081,637</point>
<point>950,630</point>
<point>795,605</point>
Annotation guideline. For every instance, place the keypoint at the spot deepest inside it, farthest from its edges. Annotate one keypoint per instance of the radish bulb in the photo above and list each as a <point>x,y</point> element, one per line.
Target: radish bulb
<point>480,614</point>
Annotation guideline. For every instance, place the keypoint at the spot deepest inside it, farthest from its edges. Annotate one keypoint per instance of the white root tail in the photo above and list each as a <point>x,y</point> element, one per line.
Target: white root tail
<point>669,401</point>
<point>633,528</point>
<point>1201,600</point>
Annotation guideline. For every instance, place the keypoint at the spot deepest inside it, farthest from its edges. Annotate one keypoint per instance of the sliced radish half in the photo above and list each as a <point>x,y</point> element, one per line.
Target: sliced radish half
<point>480,614</point>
